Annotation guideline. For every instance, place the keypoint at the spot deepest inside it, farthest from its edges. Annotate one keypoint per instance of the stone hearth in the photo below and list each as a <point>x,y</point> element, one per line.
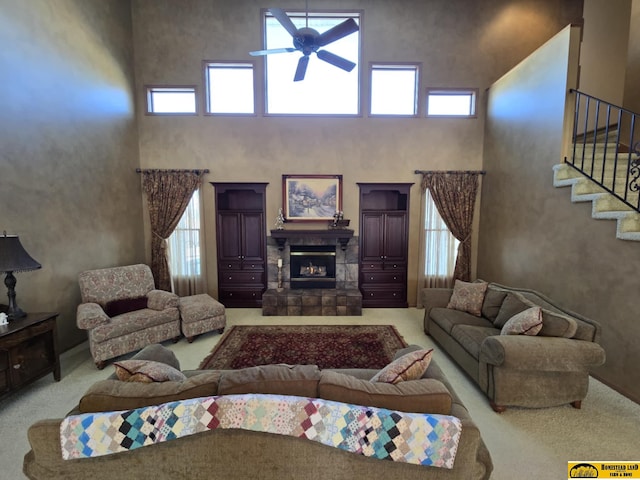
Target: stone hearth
<point>312,301</point>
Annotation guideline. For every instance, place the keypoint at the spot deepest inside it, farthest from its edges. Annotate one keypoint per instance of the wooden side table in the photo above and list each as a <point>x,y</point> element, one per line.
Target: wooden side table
<point>28,351</point>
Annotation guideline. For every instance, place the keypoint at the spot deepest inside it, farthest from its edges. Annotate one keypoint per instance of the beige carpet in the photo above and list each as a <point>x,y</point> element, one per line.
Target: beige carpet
<point>525,444</point>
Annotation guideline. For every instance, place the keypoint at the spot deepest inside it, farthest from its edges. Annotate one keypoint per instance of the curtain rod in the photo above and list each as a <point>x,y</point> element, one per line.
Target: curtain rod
<point>455,172</point>
<point>174,170</point>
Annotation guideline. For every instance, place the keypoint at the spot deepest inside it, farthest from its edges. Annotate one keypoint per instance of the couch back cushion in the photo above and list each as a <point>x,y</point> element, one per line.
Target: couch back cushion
<point>493,299</point>
<point>556,324</point>
<point>513,304</point>
<point>104,285</point>
<point>299,380</point>
<point>108,395</point>
<point>426,395</point>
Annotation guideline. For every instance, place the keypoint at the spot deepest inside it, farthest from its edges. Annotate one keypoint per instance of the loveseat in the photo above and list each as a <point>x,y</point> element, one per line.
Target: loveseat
<point>122,311</point>
<point>520,347</point>
<point>245,454</point>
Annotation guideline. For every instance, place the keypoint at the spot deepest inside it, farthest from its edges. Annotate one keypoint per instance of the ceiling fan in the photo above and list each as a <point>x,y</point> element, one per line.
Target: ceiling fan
<point>307,40</point>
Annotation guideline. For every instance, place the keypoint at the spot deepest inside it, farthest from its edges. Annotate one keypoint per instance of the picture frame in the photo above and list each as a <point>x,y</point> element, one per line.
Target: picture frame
<point>311,198</point>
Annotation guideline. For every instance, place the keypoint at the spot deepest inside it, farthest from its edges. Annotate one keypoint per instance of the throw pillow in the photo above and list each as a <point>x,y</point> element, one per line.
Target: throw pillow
<point>513,303</point>
<point>125,305</point>
<point>147,371</point>
<point>468,297</point>
<point>408,367</point>
<point>528,322</point>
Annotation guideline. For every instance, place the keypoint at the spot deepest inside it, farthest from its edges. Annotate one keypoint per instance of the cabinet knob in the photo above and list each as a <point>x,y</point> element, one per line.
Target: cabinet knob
<point>229,265</point>
<point>231,294</point>
<point>371,278</point>
<point>395,294</point>
<point>230,278</point>
<point>17,366</point>
<point>253,295</point>
<point>395,278</point>
<point>253,278</point>
<point>371,294</point>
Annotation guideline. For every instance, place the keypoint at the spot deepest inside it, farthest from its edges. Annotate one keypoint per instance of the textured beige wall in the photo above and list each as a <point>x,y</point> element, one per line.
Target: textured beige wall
<point>68,151</point>
<point>531,234</point>
<point>461,44</point>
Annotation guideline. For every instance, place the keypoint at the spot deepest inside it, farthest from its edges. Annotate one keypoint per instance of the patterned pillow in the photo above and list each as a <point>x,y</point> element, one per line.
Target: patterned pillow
<point>408,367</point>
<point>468,297</point>
<point>147,371</point>
<point>528,322</point>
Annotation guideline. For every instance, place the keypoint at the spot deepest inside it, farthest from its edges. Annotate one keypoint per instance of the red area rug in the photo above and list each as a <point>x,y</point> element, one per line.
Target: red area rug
<point>328,346</point>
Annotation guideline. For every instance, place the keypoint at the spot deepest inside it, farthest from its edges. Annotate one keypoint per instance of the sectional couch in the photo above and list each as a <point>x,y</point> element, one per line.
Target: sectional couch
<point>548,365</point>
<point>244,454</point>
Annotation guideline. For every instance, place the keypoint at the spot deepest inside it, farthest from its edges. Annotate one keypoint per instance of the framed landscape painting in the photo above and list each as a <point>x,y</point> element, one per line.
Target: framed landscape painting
<point>309,198</point>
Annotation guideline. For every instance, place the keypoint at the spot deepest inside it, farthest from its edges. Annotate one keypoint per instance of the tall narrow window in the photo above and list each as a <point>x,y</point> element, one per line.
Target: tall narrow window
<point>441,247</point>
<point>394,89</point>
<point>185,254</point>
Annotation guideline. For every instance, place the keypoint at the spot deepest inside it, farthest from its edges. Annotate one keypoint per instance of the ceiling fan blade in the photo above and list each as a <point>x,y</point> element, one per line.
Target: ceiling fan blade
<point>273,50</point>
<point>335,33</point>
<point>302,68</point>
<point>280,15</point>
<point>335,60</point>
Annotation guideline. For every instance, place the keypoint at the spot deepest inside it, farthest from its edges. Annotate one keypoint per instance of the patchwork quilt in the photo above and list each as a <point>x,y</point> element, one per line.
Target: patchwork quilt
<point>421,439</point>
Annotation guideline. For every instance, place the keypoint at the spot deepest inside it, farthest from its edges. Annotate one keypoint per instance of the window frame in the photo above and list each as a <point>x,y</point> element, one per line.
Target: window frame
<point>358,15</point>
<point>473,92</point>
<point>149,90</point>
<point>207,92</point>
<point>417,66</point>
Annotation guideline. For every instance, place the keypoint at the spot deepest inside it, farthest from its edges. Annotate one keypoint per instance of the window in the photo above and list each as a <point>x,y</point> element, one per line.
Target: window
<point>441,247</point>
<point>229,88</point>
<point>451,103</point>
<point>171,100</point>
<point>326,89</point>
<point>185,260</point>
<point>394,89</point>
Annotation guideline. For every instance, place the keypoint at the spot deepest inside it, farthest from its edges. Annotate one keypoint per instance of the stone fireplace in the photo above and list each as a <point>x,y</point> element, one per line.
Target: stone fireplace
<point>319,273</point>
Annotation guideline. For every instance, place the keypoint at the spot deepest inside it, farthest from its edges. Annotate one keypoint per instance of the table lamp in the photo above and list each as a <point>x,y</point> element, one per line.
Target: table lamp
<point>14,258</point>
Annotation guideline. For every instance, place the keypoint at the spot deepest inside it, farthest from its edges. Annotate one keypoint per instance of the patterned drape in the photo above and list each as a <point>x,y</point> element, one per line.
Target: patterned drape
<point>168,194</point>
<point>454,194</point>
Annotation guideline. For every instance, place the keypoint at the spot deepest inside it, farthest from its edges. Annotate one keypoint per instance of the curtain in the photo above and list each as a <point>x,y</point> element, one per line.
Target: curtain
<point>454,194</point>
<point>168,193</point>
<point>186,257</point>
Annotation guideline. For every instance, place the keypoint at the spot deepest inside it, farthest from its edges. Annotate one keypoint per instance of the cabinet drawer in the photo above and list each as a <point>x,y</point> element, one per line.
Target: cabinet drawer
<point>383,277</point>
<point>387,292</point>
<point>253,266</point>
<point>231,293</point>
<point>371,266</point>
<point>5,384</point>
<point>31,359</point>
<point>229,265</point>
<point>228,277</point>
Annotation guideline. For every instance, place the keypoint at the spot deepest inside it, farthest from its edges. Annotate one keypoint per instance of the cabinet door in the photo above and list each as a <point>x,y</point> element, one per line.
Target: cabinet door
<point>229,237</point>
<point>395,237</point>
<point>253,240</point>
<point>372,237</point>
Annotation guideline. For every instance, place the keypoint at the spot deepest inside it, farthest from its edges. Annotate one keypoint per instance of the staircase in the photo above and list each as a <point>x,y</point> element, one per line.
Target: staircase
<point>600,172</point>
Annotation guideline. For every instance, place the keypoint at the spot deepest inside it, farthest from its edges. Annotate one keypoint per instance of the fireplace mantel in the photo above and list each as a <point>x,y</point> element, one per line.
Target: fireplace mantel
<point>342,235</point>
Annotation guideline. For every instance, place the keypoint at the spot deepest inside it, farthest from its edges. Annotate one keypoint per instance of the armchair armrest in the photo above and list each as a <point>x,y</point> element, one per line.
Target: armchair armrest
<point>90,315</point>
<point>523,352</point>
<point>161,299</point>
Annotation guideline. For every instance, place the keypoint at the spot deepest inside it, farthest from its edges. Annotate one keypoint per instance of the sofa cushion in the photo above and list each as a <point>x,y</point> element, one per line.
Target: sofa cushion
<point>557,325</point>
<point>527,322</point>
<point>300,380</point>
<point>468,297</point>
<point>147,371</point>
<point>493,299</point>
<point>447,318</point>
<point>470,337</point>
<point>410,366</point>
<point>133,322</point>
<point>417,396</point>
<point>513,303</point>
<point>109,395</point>
<point>125,305</point>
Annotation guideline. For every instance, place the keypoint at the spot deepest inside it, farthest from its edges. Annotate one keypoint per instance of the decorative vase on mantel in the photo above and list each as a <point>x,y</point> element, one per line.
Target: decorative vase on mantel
<point>279,225</point>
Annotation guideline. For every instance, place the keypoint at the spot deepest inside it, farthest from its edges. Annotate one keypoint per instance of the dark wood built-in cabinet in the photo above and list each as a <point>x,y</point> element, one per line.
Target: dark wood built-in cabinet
<point>241,238</point>
<point>384,233</point>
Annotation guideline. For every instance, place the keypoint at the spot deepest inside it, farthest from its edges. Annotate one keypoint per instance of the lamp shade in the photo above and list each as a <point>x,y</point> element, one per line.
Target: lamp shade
<point>13,256</point>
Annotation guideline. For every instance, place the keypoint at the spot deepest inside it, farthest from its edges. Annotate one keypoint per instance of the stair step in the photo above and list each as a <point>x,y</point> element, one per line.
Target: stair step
<point>604,205</point>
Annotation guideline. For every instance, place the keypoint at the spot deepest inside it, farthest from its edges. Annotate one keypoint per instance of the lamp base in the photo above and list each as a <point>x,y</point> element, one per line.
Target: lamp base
<point>14,311</point>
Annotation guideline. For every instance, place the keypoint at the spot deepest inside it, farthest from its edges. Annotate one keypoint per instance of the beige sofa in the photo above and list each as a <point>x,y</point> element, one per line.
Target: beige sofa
<point>543,370</point>
<point>231,454</point>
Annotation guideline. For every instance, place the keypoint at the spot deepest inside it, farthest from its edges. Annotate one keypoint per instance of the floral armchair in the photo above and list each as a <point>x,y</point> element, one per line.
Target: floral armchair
<point>122,312</point>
